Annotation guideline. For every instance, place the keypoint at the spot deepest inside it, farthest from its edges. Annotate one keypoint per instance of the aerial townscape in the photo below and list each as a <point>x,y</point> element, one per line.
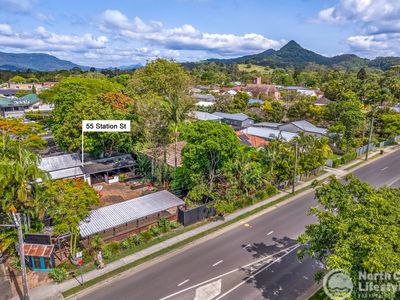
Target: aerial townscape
<point>199,150</point>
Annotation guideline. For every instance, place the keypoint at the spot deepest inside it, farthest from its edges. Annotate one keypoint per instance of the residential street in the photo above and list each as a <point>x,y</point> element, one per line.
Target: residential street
<point>252,261</point>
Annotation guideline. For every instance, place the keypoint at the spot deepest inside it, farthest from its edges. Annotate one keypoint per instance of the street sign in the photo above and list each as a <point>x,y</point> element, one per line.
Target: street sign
<point>106,125</point>
<point>80,262</point>
<point>78,254</point>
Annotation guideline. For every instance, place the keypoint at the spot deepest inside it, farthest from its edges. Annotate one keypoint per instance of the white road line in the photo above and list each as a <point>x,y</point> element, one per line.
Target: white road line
<point>256,273</point>
<point>384,168</point>
<point>217,263</point>
<point>271,232</point>
<point>393,181</point>
<point>183,282</point>
<point>230,272</point>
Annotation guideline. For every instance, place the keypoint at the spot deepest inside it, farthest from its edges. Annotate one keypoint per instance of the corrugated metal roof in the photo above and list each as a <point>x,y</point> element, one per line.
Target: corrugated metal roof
<point>38,250</point>
<point>204,116</point>
<point>118,214</point>
<point>60,162</point>
<point>269,133</point>
<point>238,116</point>
<point>307,126</point>
<point>66,173</point>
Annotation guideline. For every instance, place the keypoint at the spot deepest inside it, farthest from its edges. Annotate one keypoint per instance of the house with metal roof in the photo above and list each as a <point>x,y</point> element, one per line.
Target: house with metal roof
<point>271,125</point>
<point>118,221</point>
<point>11,107</point>
<point>303,126</point>
<point>269,133</point>
<point>237,120</point>
<point>62,166</point>
<point>204,116</point>
<point>204,97</point>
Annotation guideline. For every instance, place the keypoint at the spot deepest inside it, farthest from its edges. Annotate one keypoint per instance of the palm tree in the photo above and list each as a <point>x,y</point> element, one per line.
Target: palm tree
<point>177,110</point>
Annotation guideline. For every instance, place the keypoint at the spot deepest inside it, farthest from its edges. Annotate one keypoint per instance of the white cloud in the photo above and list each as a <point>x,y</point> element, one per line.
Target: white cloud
<point>43,40</point>
<point>377,23</point>
<point>185,37</point>
<point>5,29</point>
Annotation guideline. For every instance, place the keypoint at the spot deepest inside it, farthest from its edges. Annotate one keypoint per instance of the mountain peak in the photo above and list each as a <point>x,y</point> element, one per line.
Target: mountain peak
<point>292,45</point>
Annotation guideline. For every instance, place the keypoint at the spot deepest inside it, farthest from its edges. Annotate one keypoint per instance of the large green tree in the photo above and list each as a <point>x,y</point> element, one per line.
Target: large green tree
<point>357,230</point>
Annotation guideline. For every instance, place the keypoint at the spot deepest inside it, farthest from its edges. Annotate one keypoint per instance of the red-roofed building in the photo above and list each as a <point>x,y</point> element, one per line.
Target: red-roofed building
<point>251,140</point>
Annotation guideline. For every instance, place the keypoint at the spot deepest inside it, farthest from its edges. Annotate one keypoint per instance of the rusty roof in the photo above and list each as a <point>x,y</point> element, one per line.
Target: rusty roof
<point>38,250</point>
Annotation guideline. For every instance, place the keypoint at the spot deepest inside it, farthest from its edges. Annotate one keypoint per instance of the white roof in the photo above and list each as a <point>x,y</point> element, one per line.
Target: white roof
<point>66,173</point>
<point>204,116</point>
<point>205,103</point>
<point>60,162</point>
<point>269,133</point>
<point>307,126</point>
<point>121,213</point>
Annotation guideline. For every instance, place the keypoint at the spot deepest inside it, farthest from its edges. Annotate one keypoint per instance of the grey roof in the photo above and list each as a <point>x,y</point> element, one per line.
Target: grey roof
<point>237,117</point>
<point>267,125</point>
<point>121,213</point>
<point>322,101</point>
<point>60,162</point>
<point>204,116</point>
<point>208,97</point>
<point>307,126</point>
<point>254,101</point>
<point>108,164</point>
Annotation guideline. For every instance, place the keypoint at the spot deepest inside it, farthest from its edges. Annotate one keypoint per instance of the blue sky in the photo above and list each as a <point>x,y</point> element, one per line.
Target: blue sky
<point>113,33</point>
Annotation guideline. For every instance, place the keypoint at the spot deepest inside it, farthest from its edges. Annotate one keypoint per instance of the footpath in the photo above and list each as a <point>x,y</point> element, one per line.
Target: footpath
<point>54,290</point>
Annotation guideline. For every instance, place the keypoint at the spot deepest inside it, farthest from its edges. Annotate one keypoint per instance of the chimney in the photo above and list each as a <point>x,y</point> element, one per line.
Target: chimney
<point>257,80</point>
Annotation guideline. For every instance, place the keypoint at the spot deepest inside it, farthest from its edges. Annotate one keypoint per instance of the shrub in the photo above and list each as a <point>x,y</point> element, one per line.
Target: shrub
<point>114,247</point>
<point>348,157</point>
<point>164,225</point>
<point>125,244</point>
<point>106,253</point>
<point>97,242</point>
<point>146,236</point>
<point>174,224</point>
<point>155,230</point>
<point>136,240</point>
<point>58,274</point>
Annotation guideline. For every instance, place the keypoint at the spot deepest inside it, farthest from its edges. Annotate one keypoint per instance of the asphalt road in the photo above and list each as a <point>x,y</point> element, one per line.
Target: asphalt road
<point>252,261</point>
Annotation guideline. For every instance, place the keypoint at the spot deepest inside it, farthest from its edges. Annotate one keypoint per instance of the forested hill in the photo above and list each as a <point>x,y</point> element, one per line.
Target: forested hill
<point>34,62</point>
<point>293,55</point>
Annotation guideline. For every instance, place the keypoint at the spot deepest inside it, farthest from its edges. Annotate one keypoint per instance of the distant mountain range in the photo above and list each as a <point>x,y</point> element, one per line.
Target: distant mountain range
<point>34,62</point>
<point>293,55</point>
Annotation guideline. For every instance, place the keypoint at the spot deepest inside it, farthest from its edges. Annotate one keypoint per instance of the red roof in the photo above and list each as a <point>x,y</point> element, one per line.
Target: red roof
<point>38,250</point>
<point>251,140</point>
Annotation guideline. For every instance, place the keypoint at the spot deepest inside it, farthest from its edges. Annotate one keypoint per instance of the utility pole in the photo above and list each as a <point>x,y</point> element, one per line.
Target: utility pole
<point>295,166</point>
<point>370,137</point>
<point>17,222</point>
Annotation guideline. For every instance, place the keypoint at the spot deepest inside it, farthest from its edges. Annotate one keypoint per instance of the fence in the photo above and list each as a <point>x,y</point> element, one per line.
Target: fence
<point>305,176</point>
<point>189,216</point>
<point>360,151</point>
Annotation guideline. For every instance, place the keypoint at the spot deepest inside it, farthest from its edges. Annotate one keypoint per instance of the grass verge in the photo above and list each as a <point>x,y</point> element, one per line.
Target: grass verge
<point>178,245</point>
<point>361,162</point>
<point>319,295</point>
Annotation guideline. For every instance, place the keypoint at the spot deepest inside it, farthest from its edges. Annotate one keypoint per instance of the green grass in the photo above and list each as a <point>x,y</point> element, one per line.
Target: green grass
<point>244,68</point>
<point>361,162</point>
<point>319,295</point>
<point>178,245</point>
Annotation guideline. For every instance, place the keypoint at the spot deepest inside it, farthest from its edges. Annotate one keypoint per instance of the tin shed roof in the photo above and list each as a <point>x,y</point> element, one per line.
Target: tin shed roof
<point>118,214</point>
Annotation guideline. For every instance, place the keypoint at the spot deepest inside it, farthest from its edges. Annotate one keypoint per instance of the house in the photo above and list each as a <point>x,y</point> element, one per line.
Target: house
<point>322,101</point>
<point>204,97</point>
<point>93,171</point>
<point>6,92</point>
<point>236,120</point>
<point>118,221</point>
<point>40,108</point>
<point>204,116</point>
<point>303,126</point>
<point>205,103</point>
<point>11,107</point>
<point>24,86</point>
<point>301,90</point>
<point>255,101</point>
<point>271,125</point>
<point>257,88</point>
<point>251,140</point>
<point>231,92</point>
<point>62,166</point>
<point>269,133</point>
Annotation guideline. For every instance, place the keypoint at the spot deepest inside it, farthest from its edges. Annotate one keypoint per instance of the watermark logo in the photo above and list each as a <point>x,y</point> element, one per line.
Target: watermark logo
<point>337,284</point>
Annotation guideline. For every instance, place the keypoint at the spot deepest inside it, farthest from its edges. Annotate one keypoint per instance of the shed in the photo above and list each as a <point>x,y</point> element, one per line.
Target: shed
<point>39,257</point>
<point>119,220</point>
